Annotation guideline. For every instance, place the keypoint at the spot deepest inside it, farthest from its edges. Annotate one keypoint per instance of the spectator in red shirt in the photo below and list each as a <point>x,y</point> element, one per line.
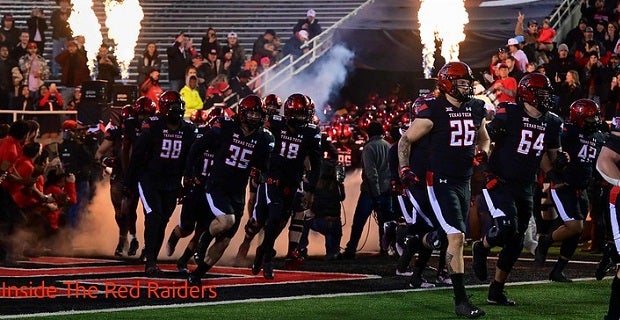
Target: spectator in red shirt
<point>505,87</point>
<point>545,42</point>
<point>150,87</point>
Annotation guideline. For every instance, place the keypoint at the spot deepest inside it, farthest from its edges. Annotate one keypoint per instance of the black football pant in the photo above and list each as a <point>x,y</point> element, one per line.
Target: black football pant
<point>158,207</point>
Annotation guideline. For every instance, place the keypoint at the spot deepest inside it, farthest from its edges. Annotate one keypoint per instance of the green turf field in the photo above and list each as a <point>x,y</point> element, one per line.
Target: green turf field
<point>579,300</point>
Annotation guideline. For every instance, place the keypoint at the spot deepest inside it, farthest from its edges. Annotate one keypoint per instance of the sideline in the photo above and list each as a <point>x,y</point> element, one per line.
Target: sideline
<point>332,295</point>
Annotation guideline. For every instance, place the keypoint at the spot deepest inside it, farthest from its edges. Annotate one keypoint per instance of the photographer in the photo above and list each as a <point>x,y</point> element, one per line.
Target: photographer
<point>324,216</point>
<point>77,157</point>
<point>49,100</point>
<point>107,68</point>
<point>36,28</point>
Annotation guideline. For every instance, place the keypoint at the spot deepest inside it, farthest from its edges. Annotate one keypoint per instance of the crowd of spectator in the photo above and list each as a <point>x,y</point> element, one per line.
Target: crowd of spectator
<point>23,62</point>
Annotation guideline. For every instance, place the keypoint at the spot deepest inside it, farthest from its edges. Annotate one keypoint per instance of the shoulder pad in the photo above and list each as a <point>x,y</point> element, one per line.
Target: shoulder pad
<point>277,117</point>
<point>153,118</point>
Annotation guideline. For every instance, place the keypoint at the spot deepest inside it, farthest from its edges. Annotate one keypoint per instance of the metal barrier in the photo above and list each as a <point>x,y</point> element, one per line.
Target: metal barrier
<point>563,18</point>
<point>286,68</point>
<point>15,113</point>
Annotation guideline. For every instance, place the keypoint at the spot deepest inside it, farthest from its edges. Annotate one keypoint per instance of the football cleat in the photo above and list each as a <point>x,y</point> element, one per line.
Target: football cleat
<point>499,298</point>
<point>407,272</point>
<point>268,270</point>
<point>193,280</point>
<point>556,276</point>
<point>182,268</point>
<point>122,242</point>
<point>443,278</point>
<point>293,261</point>
<point>153,272</point>
<point>133,247</point>
<point>468,310</point>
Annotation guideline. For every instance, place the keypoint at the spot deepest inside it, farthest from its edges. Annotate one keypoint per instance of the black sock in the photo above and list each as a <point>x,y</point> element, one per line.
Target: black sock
<point>560,265</point>
<point>187,254</point>
<point>292,246</point>
<point>614,300</point>
<point>496,286</point>
<point>459,288</point>
<point>201,269</point>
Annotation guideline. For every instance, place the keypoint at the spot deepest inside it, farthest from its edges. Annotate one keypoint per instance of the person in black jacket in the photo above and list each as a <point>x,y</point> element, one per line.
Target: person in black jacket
<point>36,28</point>
<point>179,58</point>
<point>324,215</point>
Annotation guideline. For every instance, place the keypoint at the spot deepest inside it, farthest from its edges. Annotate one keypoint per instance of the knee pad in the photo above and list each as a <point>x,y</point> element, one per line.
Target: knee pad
<point>413,243</point>
<point>221,224</point>
<point>502,232</point>
<point>435,241</point>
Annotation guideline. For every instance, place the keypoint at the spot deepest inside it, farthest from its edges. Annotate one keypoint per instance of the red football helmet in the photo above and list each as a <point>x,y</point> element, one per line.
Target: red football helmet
<point>273,104</point>
<point>340,131</point>
<point>447,80</point>
<point>199,117</point>
<point>144,106</point>
<point>296,109</point>
<point>373,97</point>
<point>171,105</point>
<point>252,111</point>
<point>585,114</point>
<point>536,90</point>
<point>127,112</point>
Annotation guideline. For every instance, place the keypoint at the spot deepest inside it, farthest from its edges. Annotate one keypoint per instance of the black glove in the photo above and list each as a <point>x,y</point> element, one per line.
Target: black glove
<point>408,177</point>
<point>562,160</point>
<point>396,188</point>
<point>108,162</point>
<point>491,180</point>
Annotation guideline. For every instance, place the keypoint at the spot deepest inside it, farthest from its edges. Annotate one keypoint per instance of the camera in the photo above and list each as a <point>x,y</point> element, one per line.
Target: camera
<point>340,174</point>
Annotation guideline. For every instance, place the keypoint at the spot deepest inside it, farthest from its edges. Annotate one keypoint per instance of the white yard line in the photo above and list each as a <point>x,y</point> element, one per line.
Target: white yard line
<point>197,304</point>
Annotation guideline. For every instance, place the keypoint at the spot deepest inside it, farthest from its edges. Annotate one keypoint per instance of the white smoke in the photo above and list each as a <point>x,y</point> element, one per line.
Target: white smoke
<point>448,31</point>
<point>327,76</point>
<point>84,22</point>
<point>123,20</point>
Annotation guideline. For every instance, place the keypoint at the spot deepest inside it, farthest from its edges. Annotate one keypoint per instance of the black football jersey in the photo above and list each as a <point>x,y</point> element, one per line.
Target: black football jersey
<point>235,154</point>
<point>583,150</point>
<point>350,154</point>
<point>159,154</point>
<point>522,142</point>
<point>291,149</point>
<point>115,135</point>
<point>202,165</point>
<point>452,139</point>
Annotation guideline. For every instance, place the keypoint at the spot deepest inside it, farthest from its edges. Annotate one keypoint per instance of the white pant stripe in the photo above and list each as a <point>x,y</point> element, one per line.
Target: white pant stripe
<point>615,228</point>
<point>437,209</point>
<point>559,206</point>
<point>145,204</point>
<point>495,212</point>
<point>216,212</point>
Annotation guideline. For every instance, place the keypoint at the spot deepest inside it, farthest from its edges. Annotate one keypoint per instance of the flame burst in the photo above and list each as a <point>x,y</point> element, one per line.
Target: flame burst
<point>123,20</point>
<point>84,22</point>
<point>434,25</point>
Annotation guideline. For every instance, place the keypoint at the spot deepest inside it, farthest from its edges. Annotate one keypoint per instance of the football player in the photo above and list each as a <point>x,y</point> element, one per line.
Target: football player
<point>608,166</point>
<point>193,215</point>
<point>523,132</point>
<point>241,148</point>
<point>131,128</point>
<point>455,124</point>
<point>295,139</point>
<point>582,140</point>
<point>109,155</point>
<point>156,170</point>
